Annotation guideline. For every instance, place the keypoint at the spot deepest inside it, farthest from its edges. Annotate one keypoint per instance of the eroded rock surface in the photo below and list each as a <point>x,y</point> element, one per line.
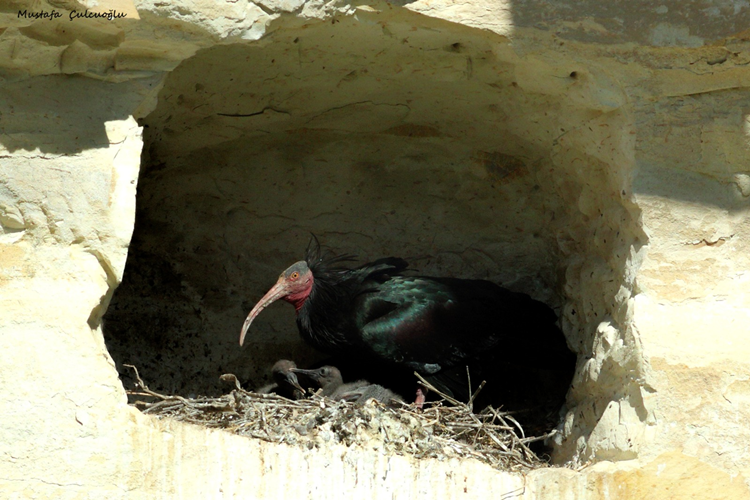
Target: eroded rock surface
<point>594,158</point>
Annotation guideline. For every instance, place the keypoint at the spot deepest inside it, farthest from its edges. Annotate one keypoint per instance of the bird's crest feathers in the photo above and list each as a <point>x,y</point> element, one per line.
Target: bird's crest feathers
<point>324,262</point>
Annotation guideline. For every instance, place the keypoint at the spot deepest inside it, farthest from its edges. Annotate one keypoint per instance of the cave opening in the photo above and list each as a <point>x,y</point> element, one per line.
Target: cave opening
<point>412,137</point>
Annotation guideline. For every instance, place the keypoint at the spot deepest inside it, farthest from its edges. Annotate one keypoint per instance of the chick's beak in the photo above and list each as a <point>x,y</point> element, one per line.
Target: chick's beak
<point>292,379</point>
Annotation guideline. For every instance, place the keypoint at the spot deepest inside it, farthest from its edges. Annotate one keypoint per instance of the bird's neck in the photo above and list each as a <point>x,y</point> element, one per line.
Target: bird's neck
<point>321,318</point>
<point>297,299</point>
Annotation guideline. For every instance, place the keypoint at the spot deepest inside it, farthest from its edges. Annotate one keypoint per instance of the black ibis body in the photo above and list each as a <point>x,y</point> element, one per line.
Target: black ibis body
<point>285,380</point>
<point>375,313</point>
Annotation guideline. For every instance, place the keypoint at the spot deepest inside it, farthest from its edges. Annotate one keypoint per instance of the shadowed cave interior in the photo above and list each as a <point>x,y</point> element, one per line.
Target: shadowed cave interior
<point>436,144</point>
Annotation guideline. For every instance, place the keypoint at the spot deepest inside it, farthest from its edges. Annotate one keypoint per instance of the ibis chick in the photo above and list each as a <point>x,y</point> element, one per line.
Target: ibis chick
<point>285,383</point>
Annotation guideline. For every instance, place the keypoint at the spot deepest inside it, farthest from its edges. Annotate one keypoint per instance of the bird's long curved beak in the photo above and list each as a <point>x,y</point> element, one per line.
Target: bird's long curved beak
<point>275,293</point>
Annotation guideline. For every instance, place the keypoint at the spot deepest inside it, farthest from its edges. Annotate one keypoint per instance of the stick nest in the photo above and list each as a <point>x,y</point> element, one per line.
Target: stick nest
<point>438,430</point>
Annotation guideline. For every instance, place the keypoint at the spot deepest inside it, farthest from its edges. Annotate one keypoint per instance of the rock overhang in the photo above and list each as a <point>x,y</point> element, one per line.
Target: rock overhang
<point>384,132</point>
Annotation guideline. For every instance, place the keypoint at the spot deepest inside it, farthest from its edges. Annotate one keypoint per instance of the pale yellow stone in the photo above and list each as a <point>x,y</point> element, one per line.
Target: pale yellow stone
<point>619,149</point>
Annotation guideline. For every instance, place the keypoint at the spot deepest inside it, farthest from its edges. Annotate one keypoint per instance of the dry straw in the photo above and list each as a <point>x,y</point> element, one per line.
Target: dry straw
<point>437,431</point>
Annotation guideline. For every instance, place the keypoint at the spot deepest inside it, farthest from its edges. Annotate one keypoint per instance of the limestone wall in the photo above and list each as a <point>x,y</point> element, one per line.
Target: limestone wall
<point>595,158</point>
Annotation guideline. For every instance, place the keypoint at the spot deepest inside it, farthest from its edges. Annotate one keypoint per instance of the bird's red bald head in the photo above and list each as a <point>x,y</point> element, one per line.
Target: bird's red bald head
<point>294,286</point>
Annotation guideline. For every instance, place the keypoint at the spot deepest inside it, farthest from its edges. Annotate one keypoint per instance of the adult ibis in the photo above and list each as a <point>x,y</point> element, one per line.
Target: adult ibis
<point>379,314</point>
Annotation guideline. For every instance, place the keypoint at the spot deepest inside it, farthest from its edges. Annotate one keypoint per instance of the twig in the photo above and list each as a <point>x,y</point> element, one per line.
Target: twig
<point>515,422</point>
<point>148,391</point>
<point>232,379</point>
<point>431,387</point>
<point>538,438</point>
<point>137,393</point>
<point>143,385</point>
<point>473,396</point>
<point>491,436</point>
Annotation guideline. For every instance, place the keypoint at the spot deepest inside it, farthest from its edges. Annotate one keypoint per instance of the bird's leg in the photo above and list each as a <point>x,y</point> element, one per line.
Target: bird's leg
<point>421,397</point>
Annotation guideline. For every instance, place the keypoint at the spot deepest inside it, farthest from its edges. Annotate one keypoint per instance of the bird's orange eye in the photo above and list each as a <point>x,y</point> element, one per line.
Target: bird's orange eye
<point>294,275</point>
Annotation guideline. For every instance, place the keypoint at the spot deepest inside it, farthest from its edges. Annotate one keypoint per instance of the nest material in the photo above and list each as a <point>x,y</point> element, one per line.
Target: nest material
<point>437,431</point>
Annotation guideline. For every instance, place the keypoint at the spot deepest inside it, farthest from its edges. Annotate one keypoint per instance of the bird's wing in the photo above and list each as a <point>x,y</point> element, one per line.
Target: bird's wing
<point>432,323</point>
<point>401,320</point>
